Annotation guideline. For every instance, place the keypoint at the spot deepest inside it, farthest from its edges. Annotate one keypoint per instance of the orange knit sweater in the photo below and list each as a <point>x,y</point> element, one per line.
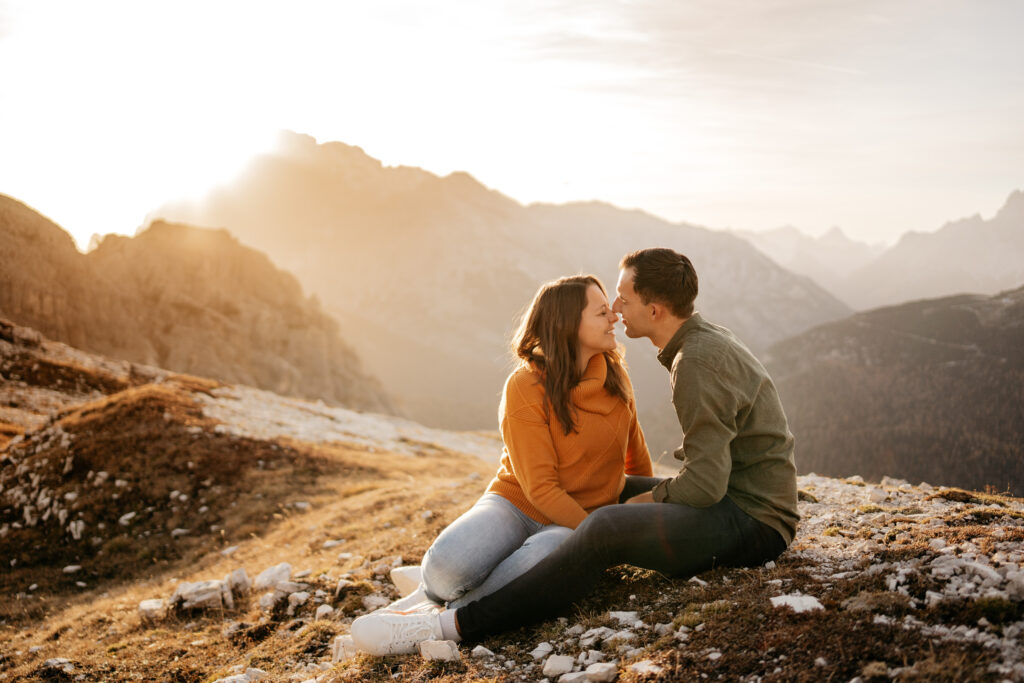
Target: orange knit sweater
<point>556,478</point>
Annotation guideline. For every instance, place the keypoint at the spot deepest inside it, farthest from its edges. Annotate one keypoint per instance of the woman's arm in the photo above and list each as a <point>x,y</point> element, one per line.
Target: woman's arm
<point>535,466</point>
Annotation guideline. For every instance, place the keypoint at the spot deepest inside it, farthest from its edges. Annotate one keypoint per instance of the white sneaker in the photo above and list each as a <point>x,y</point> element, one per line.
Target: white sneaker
<point>406,578</point>
<point>395,633</point>
<point>417,601</point>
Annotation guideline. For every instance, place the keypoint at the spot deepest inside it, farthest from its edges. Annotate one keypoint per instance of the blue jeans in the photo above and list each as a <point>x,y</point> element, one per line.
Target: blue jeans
<point>489,545</point>
<point>676,540</point>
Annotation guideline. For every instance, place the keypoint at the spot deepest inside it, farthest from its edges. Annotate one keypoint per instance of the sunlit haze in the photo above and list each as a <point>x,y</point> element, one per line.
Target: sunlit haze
<point>877,117</point>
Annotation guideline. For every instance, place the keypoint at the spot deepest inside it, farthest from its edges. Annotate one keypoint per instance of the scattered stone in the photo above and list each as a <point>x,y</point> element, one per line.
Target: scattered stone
<point>152,610</point>
<point>271,576</point>
<point>372,602</point>
<point>427,514</point>
<point>624,618</point>
<point>481,651</point>
<point>646,667</point>
<point>441,650</point>
<point>126,519</point>
<point>72,569</point>
<point>227,552</point>
<point>406,578</point>
<point>175,533</point>
<point>302,506</point>
<point>199,595</point>
<point>797,602</point>
<point>343,585</point>
<point>239,582</point>
<point>333,544</point>
<point>324,611</point>
<point>542,650</point>
<point>595,636</point>
<point>61,664</point>
<point>343,648</point>
<point>574,677</point>
<point>877,495</point>
<point>556,665</point>
<point>296,600</point>
<point>602,672</point>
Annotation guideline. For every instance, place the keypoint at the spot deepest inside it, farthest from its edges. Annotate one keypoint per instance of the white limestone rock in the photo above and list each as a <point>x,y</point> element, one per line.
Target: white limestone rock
<point>542,650</point>
<point>574,677</point>
<point>296,600</point>
<point>481,651</point>
<point>343,648</point>
<point>797,602</point>
<point>239,582</point>
<point>324,611</point>
<point>152,610</point>
<point>198,595</point>
<point>556,665</point>
<point>595,635</point>
<point>372,602</point>
<point>440,650</point>
<point>406,578</point>
<point>602,672</point>
<point>271,576</point>
<point>645,667</point>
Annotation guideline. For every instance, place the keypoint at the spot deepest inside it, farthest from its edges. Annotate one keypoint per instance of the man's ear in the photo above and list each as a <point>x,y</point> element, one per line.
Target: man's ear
<point>655,310</point>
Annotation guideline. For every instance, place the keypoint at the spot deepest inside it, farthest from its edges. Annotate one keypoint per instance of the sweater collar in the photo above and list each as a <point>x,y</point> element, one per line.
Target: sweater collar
<point>590,394</point>
<point>668,354</point>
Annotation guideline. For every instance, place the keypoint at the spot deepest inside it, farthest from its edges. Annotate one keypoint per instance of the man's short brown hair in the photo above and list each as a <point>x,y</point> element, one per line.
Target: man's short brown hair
<point>664,276</point>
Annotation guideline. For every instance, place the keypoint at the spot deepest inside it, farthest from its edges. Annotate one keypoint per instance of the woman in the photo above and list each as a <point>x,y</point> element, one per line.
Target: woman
<point>569,425</point>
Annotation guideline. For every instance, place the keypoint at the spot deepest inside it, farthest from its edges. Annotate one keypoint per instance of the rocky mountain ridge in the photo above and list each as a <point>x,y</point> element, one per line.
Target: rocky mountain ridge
<point>930,389</point>
<point>430,273</point>
<point>972,255</point>
<point>184,298</point>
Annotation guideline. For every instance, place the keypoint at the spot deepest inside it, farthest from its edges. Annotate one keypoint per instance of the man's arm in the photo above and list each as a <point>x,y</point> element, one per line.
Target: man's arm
<point>706,404</point>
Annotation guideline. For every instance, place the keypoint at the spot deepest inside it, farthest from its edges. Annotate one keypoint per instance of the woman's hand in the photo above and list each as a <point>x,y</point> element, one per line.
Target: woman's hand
<point>647,497</point>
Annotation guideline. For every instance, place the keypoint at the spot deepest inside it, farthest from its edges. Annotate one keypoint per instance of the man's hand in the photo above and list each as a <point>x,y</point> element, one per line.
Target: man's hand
<point>642,498</point>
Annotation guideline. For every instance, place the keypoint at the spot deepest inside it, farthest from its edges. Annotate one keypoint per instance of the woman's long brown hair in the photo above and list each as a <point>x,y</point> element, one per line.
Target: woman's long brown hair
<point>548,339</point>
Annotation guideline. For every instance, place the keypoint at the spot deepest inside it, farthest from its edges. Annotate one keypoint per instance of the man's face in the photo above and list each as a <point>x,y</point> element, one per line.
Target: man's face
<point>636,317</point>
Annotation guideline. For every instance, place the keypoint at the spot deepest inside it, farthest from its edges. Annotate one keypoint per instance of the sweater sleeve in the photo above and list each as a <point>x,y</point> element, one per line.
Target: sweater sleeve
<point>706,407</point>
<point>534,460</point>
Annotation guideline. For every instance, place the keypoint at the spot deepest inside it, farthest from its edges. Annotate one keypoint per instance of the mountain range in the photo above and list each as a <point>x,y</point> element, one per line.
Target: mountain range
<point>971,255</point>
<point>931,390</point>
<point>828,259</point>
<point>183,298</point>
<point>429,274</point>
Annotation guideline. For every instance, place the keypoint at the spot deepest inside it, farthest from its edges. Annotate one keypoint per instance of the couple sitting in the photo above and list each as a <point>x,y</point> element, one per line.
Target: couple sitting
<point>550,521</point>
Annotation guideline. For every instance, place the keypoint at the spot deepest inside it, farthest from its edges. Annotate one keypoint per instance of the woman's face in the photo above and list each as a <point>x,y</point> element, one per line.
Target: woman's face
<point>597,324</point>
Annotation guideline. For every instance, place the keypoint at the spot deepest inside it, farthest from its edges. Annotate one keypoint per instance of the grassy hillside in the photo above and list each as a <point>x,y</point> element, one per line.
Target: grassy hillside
<point>910,584</point>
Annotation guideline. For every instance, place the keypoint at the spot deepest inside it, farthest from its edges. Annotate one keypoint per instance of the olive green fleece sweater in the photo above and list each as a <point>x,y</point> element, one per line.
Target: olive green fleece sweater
<point>736,440</point>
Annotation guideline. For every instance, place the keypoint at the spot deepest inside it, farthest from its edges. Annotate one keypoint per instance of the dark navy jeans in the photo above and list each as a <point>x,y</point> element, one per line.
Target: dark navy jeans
<point>676,540</point>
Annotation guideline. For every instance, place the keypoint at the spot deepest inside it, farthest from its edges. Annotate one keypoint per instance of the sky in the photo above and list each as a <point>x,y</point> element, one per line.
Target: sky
<point>875,116</point>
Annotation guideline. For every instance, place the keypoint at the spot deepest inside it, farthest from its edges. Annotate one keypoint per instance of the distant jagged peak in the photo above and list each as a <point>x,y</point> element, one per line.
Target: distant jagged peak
<point>182,235</point>
<point>302,147</point>
<point>1013,208</point>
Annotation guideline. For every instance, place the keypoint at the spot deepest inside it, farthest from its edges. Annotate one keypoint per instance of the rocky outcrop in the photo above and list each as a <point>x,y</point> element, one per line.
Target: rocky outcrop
<point>182,298</point>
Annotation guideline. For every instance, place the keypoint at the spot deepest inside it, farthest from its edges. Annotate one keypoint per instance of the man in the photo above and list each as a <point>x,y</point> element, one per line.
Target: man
<point>733,503</point>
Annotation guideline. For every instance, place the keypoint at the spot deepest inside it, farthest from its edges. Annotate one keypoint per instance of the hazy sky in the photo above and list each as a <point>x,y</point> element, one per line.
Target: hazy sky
<point>876,116</point>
